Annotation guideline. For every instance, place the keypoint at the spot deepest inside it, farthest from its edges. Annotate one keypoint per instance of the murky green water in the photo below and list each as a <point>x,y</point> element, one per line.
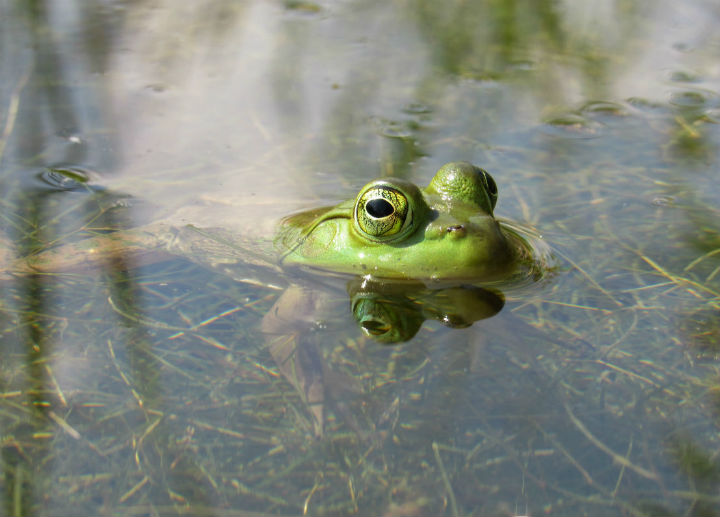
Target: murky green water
<point>144,385</point>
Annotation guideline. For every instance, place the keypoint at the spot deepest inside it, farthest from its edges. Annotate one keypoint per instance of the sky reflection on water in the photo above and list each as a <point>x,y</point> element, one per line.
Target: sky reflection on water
<point>143,388</point>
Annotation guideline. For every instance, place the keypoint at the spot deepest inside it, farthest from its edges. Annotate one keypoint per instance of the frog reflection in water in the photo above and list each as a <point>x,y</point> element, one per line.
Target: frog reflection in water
<point>419,254</point>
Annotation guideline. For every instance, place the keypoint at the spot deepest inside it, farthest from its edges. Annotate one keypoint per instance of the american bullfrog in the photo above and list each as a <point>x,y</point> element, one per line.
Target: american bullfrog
<point>445,232</point>
<point>410,254</point>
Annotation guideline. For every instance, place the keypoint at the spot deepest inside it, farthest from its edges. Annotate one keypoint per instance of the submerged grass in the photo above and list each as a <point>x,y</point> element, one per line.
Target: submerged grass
<point>152,391</point>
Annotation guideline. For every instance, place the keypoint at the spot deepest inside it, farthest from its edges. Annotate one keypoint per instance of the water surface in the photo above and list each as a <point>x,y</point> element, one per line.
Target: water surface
<point>144,385</point>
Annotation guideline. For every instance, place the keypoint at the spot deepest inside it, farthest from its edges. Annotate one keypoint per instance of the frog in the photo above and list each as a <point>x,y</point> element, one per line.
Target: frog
<point>444,233</point>
<point>406,253</point>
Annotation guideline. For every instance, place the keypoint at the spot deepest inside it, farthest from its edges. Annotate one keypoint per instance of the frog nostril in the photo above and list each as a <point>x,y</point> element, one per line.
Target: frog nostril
<point>456,230</point>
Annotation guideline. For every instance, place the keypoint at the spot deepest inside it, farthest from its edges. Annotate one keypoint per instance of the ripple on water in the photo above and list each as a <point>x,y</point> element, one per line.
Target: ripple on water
<point>688,99</point>
<point>604,108</point>
<point>65,178</point>
<point>682,76</point>
<point>416,108</point>
<point>570,124</point>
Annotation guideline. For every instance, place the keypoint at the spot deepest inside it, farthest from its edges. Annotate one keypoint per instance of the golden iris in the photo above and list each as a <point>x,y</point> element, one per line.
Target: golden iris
<point>382,212</point>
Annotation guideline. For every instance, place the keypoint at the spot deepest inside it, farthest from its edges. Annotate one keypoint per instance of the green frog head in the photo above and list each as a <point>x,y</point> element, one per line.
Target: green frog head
<point>395,230</point>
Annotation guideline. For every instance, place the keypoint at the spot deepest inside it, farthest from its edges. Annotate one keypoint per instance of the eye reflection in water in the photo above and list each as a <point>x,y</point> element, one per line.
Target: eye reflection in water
<point>393,313</point>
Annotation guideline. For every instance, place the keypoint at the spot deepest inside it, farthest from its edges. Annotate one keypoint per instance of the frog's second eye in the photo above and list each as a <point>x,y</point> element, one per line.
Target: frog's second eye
<point>382,213</point>
<point>490,186</point>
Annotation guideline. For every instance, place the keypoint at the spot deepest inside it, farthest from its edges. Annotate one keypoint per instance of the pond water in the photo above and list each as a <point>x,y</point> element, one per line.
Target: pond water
<point>144,384</point>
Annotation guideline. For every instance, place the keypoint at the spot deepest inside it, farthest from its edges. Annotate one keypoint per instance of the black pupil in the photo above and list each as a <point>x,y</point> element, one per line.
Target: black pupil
<point>379,208</point>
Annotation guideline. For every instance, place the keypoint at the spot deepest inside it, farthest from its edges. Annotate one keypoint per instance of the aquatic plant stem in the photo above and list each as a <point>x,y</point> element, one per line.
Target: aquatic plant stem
<point>12,111</point>
<point>446,480</point>
<point>617,458</point>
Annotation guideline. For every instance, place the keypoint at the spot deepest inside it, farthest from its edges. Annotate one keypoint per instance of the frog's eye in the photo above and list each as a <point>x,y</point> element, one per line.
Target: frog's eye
<point>490,186</point>
<point>382,213</point>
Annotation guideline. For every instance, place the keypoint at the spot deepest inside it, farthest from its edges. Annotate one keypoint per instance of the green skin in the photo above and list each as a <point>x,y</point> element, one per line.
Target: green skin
<point>445,232</point>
